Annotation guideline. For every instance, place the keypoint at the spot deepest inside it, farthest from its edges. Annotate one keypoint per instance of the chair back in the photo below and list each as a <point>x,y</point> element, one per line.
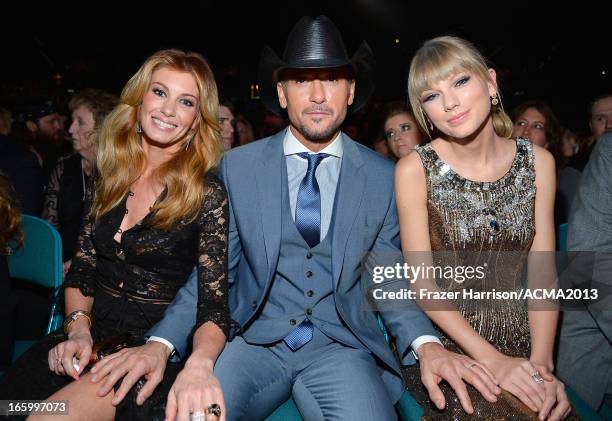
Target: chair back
<point>562,237</point>
<point>39,260</point>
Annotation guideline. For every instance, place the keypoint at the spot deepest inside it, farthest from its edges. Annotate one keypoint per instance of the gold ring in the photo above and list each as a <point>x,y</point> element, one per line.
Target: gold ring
<point>213,409</point>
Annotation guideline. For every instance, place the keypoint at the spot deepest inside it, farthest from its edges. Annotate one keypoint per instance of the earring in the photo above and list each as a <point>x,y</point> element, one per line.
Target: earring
<point>495,100</point>
<point>138,128</point>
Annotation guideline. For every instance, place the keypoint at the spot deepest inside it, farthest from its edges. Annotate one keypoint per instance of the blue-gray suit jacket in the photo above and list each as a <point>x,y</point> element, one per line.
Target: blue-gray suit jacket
<point>365,220</point>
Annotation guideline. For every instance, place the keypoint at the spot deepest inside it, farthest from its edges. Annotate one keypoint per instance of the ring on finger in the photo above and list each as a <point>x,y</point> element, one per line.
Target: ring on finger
<point>213,409</point>
<point>537,377</point>
<point>198,416</point>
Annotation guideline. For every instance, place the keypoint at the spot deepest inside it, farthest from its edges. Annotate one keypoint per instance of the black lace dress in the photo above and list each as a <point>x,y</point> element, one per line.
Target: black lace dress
<point>132,283</point>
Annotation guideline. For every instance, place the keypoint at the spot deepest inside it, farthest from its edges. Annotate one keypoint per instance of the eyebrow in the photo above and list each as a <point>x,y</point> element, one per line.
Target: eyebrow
<point>166,88</point>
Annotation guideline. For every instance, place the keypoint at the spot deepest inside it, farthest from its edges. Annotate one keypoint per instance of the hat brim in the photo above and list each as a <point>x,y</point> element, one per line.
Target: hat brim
<point>362,62</point>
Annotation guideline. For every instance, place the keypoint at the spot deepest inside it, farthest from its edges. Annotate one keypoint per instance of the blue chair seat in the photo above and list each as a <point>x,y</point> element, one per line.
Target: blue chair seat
<point>39,260</point>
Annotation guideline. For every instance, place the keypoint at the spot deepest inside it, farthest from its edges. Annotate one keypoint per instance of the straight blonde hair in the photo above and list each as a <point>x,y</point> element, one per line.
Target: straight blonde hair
<point>121,158</point>
<point>441,58</point>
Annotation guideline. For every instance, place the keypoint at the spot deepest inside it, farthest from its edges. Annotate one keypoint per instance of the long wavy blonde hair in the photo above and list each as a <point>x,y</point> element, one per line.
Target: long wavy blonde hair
<point>121,159</point>
<point>440,58</point>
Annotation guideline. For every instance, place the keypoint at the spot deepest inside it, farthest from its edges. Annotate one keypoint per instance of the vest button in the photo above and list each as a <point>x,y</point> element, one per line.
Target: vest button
<point>310,293</point>
<point>309,274</point>
<point>309,255</point>
<point>292,322</point>
<point>308,311</point>
<point>254,305</point>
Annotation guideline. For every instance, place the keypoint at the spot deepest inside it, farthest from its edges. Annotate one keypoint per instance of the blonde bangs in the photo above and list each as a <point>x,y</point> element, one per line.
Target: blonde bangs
<point>439,59</point>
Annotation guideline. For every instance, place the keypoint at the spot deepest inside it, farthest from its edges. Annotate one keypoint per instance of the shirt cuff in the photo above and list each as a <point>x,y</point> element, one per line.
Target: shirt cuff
<point>168,344</point>
<point>418,342</point>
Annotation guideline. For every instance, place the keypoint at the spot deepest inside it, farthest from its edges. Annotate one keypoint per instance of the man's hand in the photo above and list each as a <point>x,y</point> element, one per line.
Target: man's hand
<point>439,364</point>
<point>195,389</point>
<point>148,360</point>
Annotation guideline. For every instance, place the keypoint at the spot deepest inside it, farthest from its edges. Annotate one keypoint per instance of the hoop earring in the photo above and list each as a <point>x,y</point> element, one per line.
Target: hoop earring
<point>138,128</point>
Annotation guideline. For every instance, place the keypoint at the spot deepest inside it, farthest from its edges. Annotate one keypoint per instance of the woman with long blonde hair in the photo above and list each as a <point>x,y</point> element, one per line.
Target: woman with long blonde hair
<point>480,197</point>
<point>156,210</point>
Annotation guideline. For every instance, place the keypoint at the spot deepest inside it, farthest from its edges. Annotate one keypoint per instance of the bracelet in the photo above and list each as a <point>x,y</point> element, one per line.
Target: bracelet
<point>75,315</point>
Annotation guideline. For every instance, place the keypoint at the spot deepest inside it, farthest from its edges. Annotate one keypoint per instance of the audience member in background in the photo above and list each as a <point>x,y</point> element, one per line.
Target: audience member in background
<point>475,191</point>
<point>227,124</point>
<point>6,121</point>
<point>44,133</point>
<point>600,118</point>
<point>11,230</point>
<point>157,210</point>
<point>25,173</point>
<point>535,121</point>
<point>244,129</point>
<point>585,345</point>
<point>65,193</point>
<point>570,144</point>
<point>600,122</point>
<point>401,130</point>
<point>273,123</point>
<point>379,144</point>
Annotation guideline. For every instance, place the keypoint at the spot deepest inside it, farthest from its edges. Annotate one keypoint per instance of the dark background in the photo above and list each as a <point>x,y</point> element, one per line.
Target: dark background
<point>557,53</point>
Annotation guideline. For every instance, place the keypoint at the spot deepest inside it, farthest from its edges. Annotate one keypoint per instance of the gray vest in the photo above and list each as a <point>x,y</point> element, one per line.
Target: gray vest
<point>302,288</point>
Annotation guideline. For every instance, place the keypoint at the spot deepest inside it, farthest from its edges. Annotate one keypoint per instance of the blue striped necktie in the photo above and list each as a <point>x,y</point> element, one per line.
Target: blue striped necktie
<point>308,204</point>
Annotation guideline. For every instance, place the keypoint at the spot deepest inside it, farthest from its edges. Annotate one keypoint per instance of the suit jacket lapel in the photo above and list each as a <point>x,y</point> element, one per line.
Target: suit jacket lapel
<point>269,185</point>
<point>349,193</point>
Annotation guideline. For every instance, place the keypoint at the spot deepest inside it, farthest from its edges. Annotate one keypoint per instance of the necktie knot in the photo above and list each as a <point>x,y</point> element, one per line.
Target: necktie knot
<point>314,159</point>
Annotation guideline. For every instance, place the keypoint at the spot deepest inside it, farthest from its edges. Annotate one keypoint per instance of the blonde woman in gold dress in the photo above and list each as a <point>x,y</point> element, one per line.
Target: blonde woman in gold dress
<point>473,188</point>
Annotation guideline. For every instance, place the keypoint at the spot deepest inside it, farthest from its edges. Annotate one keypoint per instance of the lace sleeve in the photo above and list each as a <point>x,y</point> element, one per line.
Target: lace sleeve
<point>213,224</point>
<point>82,273</point>
<point>49,212</point>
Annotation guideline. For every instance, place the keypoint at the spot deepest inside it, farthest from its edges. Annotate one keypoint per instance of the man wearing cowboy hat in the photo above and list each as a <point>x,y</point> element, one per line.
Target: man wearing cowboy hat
<point>305,206</point>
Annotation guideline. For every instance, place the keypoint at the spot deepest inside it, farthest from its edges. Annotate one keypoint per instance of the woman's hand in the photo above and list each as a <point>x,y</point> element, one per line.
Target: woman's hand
<point>195,389</point>
<point>556,404</point>
<point>61,357</point>
<point>520,377</point>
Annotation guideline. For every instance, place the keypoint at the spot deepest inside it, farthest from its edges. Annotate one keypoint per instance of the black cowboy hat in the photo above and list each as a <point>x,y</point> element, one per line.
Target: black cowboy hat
<point>316,44</point>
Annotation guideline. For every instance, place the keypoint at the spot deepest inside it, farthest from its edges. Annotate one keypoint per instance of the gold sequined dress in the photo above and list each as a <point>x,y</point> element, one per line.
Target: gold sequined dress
<point>489,224</point>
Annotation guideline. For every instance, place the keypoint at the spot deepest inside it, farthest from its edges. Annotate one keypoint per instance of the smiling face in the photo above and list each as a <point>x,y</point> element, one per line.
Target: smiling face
<point>531,125</point>
<point>169,107</point>
<point>460,104</point>
<point>316,102</point>
<point>402,134</point>
<point>82,131</point>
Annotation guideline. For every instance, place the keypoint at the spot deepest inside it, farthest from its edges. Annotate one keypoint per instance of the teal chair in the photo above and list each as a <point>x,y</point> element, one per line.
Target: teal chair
<point>562,237</point>
<point>39,260</point>
<point>407,407</point>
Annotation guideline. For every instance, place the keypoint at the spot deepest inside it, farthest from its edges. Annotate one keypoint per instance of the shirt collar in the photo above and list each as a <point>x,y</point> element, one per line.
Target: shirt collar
<point>292,146</point>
